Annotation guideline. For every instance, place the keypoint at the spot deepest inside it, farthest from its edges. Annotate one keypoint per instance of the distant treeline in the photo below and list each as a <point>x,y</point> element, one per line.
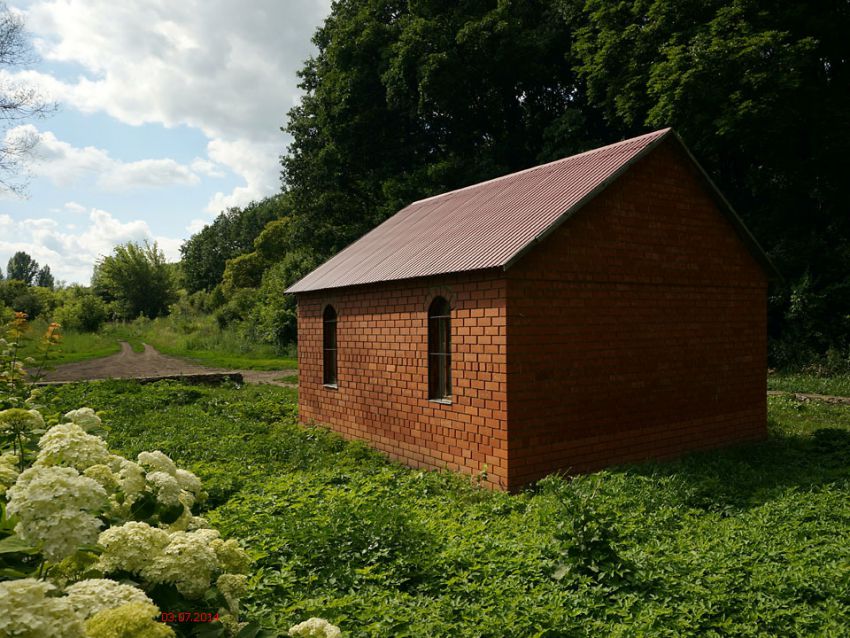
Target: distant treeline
<point>406,99</point>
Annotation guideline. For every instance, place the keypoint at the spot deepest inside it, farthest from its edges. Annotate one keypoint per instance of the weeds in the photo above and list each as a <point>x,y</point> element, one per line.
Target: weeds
<point>747,541</point>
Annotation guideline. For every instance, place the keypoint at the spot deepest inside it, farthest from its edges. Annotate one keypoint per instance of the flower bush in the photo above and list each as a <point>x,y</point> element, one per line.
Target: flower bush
<point>85,519</point>
<point>95,545</point>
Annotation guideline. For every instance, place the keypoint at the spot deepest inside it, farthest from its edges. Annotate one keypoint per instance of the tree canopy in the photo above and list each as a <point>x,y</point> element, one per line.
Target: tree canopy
<point>22,267</point>
<point>136,280</point>
<point>760,92</point>
<point>405,99</point>
<point>205,254</point>
<point>44,278</point>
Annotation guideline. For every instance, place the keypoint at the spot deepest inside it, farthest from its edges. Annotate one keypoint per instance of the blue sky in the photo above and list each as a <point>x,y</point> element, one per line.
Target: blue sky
<point>169,112</point>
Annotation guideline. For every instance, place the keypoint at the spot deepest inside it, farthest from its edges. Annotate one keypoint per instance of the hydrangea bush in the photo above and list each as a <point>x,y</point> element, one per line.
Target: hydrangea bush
<point>94,545</point>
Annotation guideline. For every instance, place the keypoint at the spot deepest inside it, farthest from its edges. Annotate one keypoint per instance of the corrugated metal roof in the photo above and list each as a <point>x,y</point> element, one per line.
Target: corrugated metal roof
<point>486,225</point>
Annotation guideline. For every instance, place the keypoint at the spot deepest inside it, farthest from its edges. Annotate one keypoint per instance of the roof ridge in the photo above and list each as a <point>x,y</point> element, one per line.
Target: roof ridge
<point>540,167</point>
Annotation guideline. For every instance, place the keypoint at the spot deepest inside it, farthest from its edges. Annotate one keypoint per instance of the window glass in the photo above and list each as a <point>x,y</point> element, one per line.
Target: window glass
<point>439,349</point>
<point>329,346</point>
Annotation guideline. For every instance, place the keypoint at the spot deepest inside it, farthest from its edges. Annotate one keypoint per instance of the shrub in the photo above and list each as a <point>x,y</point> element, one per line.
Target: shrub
<point>71,488</point>
<point>85,312</point>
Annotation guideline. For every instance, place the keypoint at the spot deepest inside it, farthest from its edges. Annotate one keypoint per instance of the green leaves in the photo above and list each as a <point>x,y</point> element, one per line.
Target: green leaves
<point>14,545</point>
<point>747,541</point>
<point>136,279</point>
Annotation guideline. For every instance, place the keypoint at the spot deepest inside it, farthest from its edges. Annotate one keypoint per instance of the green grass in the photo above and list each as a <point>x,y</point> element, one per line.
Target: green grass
<point>748,541</point>
<point>74,346</point>
<point>838,385</point>
<point>121,332</point>
<point>199,339</point>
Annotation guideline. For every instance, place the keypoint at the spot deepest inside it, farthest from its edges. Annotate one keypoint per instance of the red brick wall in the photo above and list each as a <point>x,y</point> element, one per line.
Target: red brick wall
<point>382,396</point>
<point>636,330</point>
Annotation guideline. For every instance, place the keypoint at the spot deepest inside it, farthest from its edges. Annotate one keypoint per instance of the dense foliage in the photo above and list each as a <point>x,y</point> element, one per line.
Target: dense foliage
<point>136,280</point>
<point>748,541</point>
<point>96,545</point>
<point>233,232</point>
<point>406,99</point>
<point>22,267</point>
<point>759,92</point>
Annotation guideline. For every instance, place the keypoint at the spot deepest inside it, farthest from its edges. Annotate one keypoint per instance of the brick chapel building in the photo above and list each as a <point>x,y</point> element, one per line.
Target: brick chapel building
<point>601,309</point>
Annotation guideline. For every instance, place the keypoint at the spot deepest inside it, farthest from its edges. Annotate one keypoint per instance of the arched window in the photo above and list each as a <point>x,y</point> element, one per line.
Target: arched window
<point>329,346</point>
<point>439,350</point>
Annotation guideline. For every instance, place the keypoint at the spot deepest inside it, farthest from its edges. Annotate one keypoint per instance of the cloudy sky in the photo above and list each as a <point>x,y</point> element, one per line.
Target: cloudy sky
<point>169,112</point>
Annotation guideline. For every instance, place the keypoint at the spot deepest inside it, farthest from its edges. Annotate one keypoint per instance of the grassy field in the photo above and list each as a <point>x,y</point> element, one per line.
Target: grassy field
<point>200,339</point>
<point>748,541</point>
<point>838,385</point>
<point>73,346</point>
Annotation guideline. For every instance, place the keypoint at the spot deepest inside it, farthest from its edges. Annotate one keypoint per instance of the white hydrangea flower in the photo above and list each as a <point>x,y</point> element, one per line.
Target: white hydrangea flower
<point>85,418</point>
<point>188,561</point>
<point>131,477</point>
<point>315,628</point>
<point>233,587</point>
<point>166,487</point>
<point>131,620</point>
<point>197,522</point>
<point>93,595</point>
<point>158,462</point>
<point>103,475</point>
<point>37,419</point>
<point>187,498</point>
<point>26,611</point>
<point>8,471</point>
<point>68,444</point>
<point>132,547</point>
<point>21,420</point>
<point>188,481</point>
<point>54,506</point>
<point>231,556</point>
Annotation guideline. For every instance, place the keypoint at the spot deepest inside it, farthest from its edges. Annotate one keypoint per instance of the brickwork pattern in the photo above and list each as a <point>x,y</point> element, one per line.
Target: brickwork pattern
<point>382,394</point>
<point>637,330</point>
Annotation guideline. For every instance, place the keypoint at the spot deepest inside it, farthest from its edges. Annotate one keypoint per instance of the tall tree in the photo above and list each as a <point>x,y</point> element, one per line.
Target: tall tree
<point>136,279</point>
<point>205,253</point>
<point>406,99</point>
<point>22,267</point>
<point>761,92</point>
<point>44,278</point>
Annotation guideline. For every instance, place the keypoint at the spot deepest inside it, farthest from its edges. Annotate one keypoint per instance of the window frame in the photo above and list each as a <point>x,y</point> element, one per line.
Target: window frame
<point>330,352</point>
<point>439,350</point>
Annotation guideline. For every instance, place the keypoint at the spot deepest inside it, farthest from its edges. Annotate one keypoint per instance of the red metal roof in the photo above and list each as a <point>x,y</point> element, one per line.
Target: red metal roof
<point>486,225</point>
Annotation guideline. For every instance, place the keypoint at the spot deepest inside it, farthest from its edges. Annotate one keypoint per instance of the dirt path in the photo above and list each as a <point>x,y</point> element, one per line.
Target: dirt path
<point>150,363</point>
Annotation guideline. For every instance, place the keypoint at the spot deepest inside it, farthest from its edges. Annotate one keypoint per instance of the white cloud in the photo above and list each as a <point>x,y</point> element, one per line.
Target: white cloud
<point>64,165</point>
<point>148,172</point>
<point>74,207</point>
<point>226,68</point>
<point>72,255</point>
<point>249,159</point>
